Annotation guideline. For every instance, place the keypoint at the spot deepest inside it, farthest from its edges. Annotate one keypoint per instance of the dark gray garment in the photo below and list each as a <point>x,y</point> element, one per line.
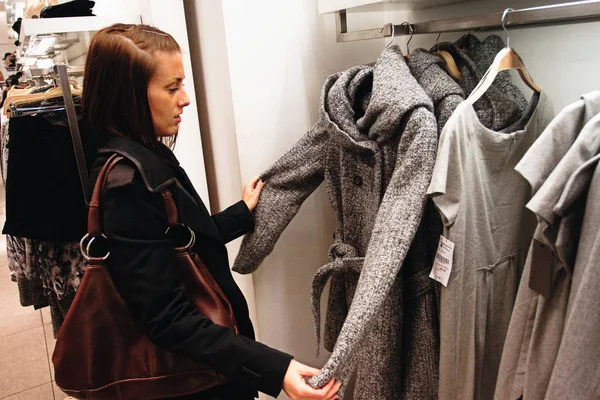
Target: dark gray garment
<point>375,147</point>
<point>494,109</point>
<point>483,55</point>
<point>576,373</point>
<point>537,321</point>
<point>482,202</point>
<point>445,92</point>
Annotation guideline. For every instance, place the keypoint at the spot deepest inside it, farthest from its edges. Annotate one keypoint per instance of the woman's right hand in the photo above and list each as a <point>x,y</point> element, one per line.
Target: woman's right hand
<point>295,386</point>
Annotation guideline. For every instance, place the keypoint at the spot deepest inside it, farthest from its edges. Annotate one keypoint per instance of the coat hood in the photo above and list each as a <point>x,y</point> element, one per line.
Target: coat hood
<point>364,106</point>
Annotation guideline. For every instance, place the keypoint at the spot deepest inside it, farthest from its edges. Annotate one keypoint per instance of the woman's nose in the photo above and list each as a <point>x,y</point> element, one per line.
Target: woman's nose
<point>184,101</point>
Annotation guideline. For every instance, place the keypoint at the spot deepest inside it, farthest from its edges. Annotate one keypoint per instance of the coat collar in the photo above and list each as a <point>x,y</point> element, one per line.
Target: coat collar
<point>158,174</point>
<point>364,106</point>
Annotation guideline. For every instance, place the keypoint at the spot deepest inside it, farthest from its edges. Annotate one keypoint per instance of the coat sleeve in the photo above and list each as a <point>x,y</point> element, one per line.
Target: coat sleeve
<point>289,182</point>
<point>142,266</point>
<point>233,222</point>
<point>397,221</point>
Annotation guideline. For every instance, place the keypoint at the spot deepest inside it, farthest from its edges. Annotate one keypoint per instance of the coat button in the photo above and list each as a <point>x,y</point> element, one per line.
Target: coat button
<point>358,181</point>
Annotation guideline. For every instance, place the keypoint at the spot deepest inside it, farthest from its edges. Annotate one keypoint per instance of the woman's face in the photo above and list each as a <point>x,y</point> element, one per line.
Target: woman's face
<point>166,95</point>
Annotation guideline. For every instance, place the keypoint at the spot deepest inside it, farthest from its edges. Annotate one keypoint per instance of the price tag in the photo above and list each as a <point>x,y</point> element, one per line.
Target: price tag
<point>442,265</point>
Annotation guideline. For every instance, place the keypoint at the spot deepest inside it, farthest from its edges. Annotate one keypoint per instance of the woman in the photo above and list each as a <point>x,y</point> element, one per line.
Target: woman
<point>133,100</point>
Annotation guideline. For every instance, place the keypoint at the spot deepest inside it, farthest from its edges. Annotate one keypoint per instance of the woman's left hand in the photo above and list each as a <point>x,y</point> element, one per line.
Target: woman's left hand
<point>252,192</point>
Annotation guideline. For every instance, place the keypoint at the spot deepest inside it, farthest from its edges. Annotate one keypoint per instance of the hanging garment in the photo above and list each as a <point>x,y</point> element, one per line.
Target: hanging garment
<point>483,55</point>
<point>4,147</point>
<point>576,373</point>
<point>375,147</point>
<point>482,203</point>
<point>44,199</point>
<point>494,109</point>
<point>47,274</point>
<point>444,92</point>
<point>537,321</point>
<point>29,281</point>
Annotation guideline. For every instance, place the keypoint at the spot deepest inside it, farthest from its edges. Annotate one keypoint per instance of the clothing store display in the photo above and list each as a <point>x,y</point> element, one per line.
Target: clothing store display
<point>482,201</point>
<point>42,164</point>
<point>73,8</point>
<point>464,249</point>
<point>494,109</point>
<point>483,53</point>
<point>576,374</point>
<point>153,290</point>
<point>377,167</point>
<point>537,321</point>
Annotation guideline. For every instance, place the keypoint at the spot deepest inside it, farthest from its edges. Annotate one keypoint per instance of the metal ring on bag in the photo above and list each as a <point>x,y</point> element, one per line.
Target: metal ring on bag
<point>192,235</point>
<point>86,252</point>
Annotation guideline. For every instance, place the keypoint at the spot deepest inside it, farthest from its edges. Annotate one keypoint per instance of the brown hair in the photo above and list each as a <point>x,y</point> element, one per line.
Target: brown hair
<point>119,66</point>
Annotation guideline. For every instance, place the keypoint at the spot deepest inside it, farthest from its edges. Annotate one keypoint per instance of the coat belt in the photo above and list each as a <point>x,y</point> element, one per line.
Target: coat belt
<point>343,258</point>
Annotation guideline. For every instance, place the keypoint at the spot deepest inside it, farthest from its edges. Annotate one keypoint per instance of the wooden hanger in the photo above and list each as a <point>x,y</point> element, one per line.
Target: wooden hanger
<point>506,59</point>
<point>451,66</point>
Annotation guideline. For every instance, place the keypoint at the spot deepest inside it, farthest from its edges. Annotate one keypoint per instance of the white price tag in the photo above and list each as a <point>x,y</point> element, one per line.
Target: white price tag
<point>442,265</point>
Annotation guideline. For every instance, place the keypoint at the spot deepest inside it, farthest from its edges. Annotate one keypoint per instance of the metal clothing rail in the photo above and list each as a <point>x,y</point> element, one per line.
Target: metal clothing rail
<point>61,70</point>
<point>572,12</point>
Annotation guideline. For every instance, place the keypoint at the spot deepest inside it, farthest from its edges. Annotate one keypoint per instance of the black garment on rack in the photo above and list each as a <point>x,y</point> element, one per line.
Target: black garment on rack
<point>44,199</point>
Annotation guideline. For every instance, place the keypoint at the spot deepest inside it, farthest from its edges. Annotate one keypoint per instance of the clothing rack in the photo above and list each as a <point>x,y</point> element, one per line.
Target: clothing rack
<point>563,13</point>
<point>60,70</point>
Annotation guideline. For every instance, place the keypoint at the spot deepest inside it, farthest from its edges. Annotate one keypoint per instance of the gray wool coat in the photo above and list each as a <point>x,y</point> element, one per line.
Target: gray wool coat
<point>495,109</point>
<point>375,147</point>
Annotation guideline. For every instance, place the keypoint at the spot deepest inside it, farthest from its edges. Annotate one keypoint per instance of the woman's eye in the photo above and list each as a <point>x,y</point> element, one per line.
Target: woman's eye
<point>173,90</point>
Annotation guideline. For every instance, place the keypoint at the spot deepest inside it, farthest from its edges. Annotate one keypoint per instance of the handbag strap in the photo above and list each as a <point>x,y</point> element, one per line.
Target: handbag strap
<point>171,208</point>
<point>94,215</point>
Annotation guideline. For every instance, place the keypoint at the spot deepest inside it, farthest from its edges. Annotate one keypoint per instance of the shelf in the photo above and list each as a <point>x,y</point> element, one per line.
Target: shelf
<point>67,38</point>
<point>40,26</point>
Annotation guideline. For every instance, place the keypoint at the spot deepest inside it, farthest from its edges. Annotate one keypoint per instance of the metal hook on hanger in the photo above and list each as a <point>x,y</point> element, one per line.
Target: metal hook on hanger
<point>411,32</point>
<point>461,41</point>
<point>504,15</point>
<point>393,33</point>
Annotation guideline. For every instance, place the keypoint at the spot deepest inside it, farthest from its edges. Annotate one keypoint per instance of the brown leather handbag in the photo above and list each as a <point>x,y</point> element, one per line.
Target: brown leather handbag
<point>102,354</point>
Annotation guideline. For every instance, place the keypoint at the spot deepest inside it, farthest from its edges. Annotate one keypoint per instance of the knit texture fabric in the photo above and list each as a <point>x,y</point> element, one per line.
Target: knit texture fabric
<point>495,110</point>
<point>483,55</point>
<point>375,147</point>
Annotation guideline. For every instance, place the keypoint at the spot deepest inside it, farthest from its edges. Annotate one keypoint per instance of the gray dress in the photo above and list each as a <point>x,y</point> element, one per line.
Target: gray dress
<point>537,321</point>
<point>481,199</point>
<point>576,373</point>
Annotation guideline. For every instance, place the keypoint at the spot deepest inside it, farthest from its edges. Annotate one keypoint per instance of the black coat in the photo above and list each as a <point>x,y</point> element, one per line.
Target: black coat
<point>142,267</point>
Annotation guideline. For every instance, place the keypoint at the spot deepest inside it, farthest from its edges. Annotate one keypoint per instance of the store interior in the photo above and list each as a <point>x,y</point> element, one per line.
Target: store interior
<point>254,75</point>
